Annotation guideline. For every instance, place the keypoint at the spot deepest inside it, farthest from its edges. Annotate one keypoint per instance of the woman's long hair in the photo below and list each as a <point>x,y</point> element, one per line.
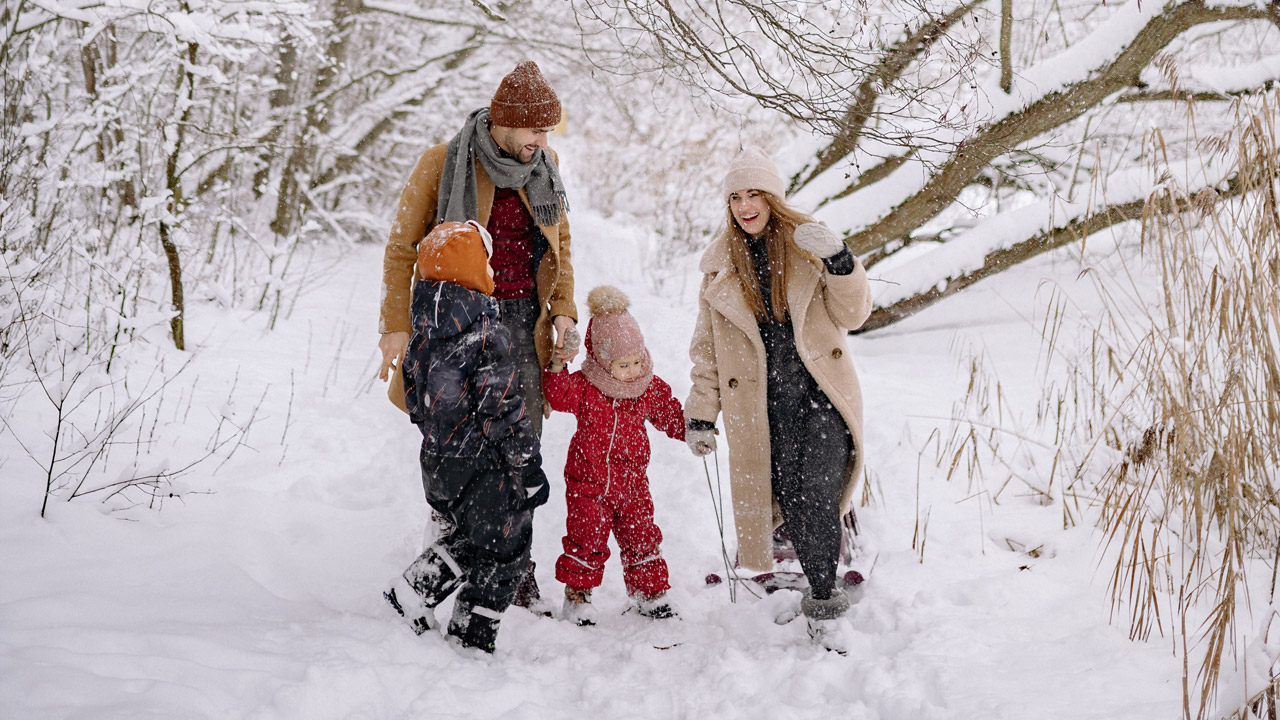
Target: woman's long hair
<point>783,220</point>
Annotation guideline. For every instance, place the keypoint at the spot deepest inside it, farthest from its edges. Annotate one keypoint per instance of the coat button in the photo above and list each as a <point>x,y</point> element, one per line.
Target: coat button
<point>733,383</point>
<point>837,354</point>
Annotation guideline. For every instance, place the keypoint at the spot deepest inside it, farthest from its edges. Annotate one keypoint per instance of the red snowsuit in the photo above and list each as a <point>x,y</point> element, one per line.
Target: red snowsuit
<point>606,486</point>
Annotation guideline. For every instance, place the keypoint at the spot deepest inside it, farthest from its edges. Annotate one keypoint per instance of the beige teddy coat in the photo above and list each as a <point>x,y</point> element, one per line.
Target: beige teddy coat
<point>729,378</point>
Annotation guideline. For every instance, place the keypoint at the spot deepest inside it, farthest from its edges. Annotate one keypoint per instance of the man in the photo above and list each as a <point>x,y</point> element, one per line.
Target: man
<point>498,171</point>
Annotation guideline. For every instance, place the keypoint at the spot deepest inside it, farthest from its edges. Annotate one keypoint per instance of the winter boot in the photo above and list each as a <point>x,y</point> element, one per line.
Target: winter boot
<point>783,549</point>
<point>578,608</point>
<point>824,620</point>
<point>474,626</point>
<point>434,574</point>
<point>529,597</point>
<point>408,605</point>
<point>658,606</point>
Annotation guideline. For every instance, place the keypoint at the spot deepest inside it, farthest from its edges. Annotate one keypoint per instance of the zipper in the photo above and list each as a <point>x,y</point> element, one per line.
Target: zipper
<point>608,464</point>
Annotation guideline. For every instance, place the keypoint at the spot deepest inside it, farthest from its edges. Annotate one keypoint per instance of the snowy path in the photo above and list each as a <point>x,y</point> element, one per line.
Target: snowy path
<point>261,600</point>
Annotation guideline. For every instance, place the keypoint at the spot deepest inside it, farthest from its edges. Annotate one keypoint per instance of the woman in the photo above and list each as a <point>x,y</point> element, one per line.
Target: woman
<point>779,294</point>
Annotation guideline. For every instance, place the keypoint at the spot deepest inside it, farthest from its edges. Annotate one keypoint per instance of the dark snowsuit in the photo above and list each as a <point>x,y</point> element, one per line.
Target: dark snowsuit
<point>809,441</point>
<point>606,484</point>
<point>480,459</point>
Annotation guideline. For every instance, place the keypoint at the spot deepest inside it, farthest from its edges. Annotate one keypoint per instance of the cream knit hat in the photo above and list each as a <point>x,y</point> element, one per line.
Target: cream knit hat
<point>753,170</point>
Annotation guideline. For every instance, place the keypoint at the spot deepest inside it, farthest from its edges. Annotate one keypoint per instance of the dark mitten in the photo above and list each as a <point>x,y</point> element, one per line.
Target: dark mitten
<point>536,488</point>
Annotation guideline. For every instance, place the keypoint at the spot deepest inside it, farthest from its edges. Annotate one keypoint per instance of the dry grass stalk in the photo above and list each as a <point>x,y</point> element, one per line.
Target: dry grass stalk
<point>1190,502</point>
<point>1166,426</point>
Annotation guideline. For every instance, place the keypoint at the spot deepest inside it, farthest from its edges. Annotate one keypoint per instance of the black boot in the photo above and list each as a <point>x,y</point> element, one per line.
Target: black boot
<point>527,594</point>
<point>474,626</point>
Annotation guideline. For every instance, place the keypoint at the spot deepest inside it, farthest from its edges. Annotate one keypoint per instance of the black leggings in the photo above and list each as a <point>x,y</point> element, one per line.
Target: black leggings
<point>810,451</point>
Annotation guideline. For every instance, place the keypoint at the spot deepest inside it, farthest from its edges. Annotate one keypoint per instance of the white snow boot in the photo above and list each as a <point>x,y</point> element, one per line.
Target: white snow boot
<point>658,607</point>
<point>408,605</point>
<point>825,619</point>
<point>578,608</point>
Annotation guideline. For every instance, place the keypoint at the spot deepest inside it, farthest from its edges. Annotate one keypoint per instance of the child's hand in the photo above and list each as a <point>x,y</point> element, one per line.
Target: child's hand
<point>534,482</point>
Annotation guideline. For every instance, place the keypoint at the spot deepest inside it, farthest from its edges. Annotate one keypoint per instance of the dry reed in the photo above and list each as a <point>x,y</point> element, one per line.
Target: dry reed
<point>1166,425</point>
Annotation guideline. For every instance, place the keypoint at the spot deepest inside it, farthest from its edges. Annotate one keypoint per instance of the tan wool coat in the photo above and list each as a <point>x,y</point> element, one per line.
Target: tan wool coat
<point>729,377</point>
<point>414,218</point>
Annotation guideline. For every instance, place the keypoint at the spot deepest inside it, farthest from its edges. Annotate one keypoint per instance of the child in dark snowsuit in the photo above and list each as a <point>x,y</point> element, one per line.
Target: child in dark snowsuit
<point>606,485</point>
<point>480,459</point>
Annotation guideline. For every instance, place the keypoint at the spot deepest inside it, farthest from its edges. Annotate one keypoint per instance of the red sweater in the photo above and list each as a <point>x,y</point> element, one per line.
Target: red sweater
<point>514,238</point>
<point>611,445</point>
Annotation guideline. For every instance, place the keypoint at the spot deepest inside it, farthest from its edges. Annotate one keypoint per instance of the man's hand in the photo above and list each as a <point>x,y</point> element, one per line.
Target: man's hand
<point>393,346</point>
<point>564,352</point>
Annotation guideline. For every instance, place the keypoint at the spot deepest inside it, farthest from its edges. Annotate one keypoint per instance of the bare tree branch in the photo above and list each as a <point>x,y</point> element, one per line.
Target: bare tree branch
<point>886,73</point>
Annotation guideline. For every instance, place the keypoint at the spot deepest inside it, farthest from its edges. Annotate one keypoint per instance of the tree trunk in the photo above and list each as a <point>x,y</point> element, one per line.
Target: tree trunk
<point>173,181</point>
<point>1006,45</point>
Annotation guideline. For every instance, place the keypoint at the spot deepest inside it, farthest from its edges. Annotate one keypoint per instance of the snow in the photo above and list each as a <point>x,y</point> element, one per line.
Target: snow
<point>256,593</point>
<point>1237,78</point>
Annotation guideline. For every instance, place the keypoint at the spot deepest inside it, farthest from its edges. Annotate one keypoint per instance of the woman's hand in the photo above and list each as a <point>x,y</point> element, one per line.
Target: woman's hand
<point>701,442</point>
<point>818,239</point>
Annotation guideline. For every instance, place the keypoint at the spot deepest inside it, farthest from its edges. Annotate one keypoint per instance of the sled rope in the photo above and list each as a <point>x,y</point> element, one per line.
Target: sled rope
<point>717,504</point>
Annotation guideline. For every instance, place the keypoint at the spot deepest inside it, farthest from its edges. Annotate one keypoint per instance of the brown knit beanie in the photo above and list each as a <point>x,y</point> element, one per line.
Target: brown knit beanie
<point>455,252</point>
<point>525,100</point>
<point>753,170</point>
<point>612,332</point>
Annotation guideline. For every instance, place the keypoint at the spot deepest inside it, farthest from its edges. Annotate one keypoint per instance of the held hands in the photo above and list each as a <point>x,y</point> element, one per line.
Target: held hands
<point>568,341</point>
<point>701,442</point>
<point>572,341</point>
<point>818,239</point>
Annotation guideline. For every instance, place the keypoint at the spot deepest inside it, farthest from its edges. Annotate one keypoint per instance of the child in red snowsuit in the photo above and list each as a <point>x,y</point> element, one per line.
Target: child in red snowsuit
<point>606,486</point>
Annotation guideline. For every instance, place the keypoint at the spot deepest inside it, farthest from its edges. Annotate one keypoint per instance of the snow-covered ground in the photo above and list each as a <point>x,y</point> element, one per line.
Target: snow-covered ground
<point>261,598</point>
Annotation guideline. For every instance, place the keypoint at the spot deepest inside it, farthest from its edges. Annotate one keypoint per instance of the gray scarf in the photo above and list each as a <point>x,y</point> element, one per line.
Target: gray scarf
<point>539,177</point>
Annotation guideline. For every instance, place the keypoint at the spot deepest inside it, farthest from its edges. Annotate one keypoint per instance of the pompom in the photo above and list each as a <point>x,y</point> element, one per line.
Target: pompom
<point>606,299</point>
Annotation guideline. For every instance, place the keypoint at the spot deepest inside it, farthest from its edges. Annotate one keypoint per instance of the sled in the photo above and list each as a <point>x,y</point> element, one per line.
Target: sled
<point>784,557</point>
<point>776,580</point>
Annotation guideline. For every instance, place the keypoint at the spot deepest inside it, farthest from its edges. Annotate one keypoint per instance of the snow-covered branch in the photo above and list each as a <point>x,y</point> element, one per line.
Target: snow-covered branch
<point>917,192</point>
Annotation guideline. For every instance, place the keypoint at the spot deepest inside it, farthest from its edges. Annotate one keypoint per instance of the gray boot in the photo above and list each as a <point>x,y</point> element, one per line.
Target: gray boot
<point>823,617</point>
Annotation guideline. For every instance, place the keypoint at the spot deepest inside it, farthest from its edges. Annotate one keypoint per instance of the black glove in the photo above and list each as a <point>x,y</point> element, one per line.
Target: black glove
<point>534,481</point>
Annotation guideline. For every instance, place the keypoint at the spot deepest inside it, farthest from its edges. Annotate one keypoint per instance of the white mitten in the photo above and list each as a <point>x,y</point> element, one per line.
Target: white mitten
<point>572,340</point>
<point>818,239</point>
<point>701,442</point>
